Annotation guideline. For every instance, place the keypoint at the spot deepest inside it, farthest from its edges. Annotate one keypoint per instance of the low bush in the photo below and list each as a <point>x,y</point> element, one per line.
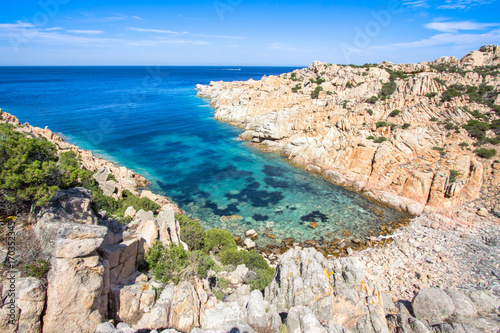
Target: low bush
<point>379,124</point>
<point>216,239</point>
<point>254,261</point>
<point>370,112</point>
<point>380,140</point>
<point>394,113</point>
<point>388,89</point>
<point>453,175</point>
<point>406,125</point>
<point>372,100</point>
<point>485,153</point>
<point>171,263</point>
<point>192,233</point>
<point>316,91</point>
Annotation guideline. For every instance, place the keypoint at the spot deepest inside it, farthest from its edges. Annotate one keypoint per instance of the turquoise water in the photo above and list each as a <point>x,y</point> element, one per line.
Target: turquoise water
<point>150,120</point>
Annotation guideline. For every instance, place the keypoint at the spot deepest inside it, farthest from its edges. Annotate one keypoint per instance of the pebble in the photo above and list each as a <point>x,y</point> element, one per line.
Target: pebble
<point>460,256</point>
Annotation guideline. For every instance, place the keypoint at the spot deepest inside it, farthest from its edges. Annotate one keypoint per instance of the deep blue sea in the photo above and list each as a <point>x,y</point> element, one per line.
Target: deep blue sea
<point>150,120</point>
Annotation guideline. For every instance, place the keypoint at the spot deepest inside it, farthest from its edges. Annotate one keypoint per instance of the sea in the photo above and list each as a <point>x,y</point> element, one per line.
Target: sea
<point>150,120</point>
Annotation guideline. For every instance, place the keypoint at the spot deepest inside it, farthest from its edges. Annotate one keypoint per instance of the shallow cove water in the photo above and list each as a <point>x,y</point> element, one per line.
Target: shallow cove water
<point>150,120</point>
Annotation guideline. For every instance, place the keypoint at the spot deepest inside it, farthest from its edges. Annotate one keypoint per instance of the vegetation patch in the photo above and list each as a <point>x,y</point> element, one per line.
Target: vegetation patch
<point>394,113</point>
<point>171,263</point>
<point>316,91</point>
<point>192,233</point>
<point>485,153</point>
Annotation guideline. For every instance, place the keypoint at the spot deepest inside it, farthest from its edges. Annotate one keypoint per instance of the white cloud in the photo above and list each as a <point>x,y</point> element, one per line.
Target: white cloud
<point>463,4</point>
<point>159,31</point>
<point>165,42</point>
<point>17,25</point>
<point>462,25</point>
<point>416,3</point>
<point>223,37</point>
<point>462,40</point>
<point>86,32</point>
<point>54,29</point>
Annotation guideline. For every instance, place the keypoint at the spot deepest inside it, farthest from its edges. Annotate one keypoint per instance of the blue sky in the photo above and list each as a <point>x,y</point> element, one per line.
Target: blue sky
<point>242,32</point>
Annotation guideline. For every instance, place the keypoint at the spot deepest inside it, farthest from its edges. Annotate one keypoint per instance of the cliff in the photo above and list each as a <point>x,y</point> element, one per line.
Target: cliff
<point>401,134</point>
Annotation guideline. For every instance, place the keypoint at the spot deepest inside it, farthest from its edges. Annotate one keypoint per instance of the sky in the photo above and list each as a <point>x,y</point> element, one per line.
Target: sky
<point>242,32</point>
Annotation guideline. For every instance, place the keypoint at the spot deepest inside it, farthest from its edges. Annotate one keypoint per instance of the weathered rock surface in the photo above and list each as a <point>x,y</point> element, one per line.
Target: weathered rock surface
<point>335,291</point>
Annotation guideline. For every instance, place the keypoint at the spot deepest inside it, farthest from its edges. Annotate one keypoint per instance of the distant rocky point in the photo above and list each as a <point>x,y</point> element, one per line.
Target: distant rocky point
<point>417,137</point>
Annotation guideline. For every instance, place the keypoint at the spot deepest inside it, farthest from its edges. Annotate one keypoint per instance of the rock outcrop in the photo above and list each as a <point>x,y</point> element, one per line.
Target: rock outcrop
<point>384,130</point>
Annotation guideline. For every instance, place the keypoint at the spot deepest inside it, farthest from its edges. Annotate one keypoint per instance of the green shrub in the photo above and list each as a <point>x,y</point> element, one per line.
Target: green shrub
<point>433,119</point>
<point>349,85</point>
<point>192,233</point>
<point>329,93</point>
<point>394,113</point>
<point>370,112</point>
<point>494,141</point>
<point>294,77</point>
<point>485,153</point>
<point>450,93</point>
<point>29,175</point>
<point>371,137</point>
<point>396,74</point>
<point>167,263</point>
<point>453,175</point>
<point>440,81</point>
<point>372,100</point>
<point>297,87</point>
<point>476,128</point>
<point>388,89</point>
<point>431,95</point>
<point>315,93</point>
<point>318,80</point>
<point>171,263</point>
<point>464,144</point>
<point>130,199</point>
<point>254,261</point>
<point>406,125</point>
<point>218,239</point>
<point>379,124</point>
<point>263,279</point>
<point>380,140</point>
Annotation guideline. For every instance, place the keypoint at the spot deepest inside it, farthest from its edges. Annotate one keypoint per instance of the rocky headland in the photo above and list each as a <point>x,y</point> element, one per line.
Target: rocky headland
<point>439,273</point>
<point>401,134</point>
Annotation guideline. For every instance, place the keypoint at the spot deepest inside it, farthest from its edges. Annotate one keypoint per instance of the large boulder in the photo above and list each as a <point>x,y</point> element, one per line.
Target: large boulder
<point>65,228</point>
<point>225,317</point>
<point>301,319</point>
<point>122,259</point>
<point>432,304</point>
<point>29,294</point>
<point>335,291</point>
<point>128,303</point>
<point>77,295</point>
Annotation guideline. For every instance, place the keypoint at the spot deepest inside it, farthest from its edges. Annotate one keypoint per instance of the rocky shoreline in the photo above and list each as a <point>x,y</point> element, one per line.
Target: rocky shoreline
<point>123,178</point>
<point>389,131</point>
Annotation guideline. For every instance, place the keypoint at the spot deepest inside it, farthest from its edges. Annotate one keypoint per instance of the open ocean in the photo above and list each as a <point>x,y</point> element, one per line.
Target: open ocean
<point>150,120</point>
